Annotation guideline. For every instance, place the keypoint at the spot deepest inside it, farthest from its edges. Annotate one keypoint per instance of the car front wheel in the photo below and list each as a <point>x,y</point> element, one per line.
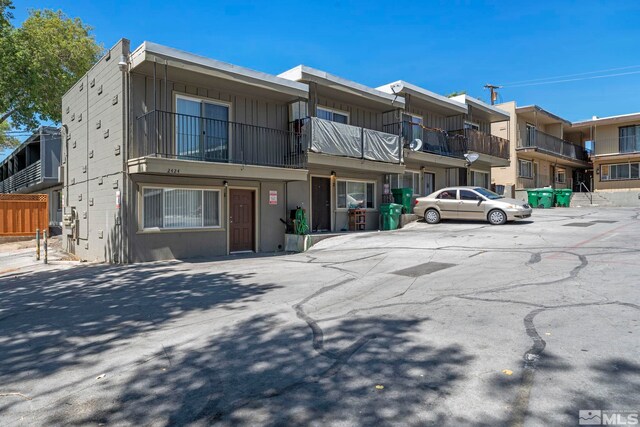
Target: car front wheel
<point>432,216</point>
<point>497,217</point>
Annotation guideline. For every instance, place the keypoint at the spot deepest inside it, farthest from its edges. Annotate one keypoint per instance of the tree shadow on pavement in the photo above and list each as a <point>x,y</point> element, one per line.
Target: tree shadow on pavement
<point>267,371</point>
<point>52,321</point>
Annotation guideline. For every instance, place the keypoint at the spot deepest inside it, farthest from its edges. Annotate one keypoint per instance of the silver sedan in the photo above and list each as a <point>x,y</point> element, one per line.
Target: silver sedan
<point>470,203</point>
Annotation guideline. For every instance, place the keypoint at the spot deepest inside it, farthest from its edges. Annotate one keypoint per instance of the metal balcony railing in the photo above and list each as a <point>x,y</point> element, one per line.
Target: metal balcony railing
<point>26,177</point>
<point>484,143</point>
<point>434,141</point>
<point>554,145</point>
<point>180,136</point>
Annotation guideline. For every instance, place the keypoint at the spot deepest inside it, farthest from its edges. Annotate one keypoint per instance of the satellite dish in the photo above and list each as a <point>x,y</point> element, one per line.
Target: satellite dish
<point>471,157</point>
<point>396,88</point>
<point>415,145</point>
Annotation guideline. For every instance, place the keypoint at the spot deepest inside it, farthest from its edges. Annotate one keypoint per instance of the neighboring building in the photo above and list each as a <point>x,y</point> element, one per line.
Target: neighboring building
<point>541,156</point>
<point>172,155</point>
<point>33,168</point>
<point>615,142</point>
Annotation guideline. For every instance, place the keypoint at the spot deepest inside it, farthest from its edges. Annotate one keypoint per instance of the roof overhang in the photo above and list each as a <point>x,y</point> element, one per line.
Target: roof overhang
<point>482,109</point>
<point>611,120</point>
<point>543,115</point>
<point>152,52</point>
<point>302,73</point>
<point>438,103</point>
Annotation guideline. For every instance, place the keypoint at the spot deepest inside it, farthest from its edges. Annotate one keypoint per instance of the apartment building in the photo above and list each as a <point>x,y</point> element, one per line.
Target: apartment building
<point>167,154</point>
<point>541,155</point>
<point>352,147</point>
<point>32,168</point>
<point>615,142</point>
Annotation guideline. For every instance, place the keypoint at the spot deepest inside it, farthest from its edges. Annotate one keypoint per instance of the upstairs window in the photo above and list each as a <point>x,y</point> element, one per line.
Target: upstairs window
<point>629,139</point>
<point>333,115</point>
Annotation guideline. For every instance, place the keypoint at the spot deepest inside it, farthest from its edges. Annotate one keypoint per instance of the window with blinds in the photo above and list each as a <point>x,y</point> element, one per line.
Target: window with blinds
<point>175,208</point>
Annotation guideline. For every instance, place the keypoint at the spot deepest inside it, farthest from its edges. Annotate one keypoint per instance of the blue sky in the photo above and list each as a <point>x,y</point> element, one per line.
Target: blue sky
<point>444,46</point>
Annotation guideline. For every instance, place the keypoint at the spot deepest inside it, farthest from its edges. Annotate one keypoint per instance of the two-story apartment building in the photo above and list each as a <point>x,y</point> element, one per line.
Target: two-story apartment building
<point>352,148</point>
<point>167,154</point>
<point>33,168</point>
<point>540,155</point>
<point>615,142</point>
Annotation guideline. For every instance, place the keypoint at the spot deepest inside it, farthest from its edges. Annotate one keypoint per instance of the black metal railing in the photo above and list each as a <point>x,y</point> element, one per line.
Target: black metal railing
<point>434,141</point>
<point>26,177</point>
<point>484,143</point>
<point>180,136</point>
<point>554,145</point>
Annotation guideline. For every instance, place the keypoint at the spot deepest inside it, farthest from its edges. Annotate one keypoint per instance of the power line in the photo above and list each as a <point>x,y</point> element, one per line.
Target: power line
<point>571,75</point>
<point>575,80</point>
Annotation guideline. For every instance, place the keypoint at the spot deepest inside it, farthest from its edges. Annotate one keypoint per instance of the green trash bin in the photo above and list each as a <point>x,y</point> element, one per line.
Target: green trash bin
<point>390,215</point>
<point>563,197</point>
<point>545,198</point>
<point>402,196</point>
<point>532,197</point>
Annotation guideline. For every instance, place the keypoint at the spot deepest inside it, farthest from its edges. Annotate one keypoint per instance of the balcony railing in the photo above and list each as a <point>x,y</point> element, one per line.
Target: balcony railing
<point>433,140</point>
<point>344,140</point>
<point>180,136</point>
<point>484,143</point>
<point>554,145</point>
<point>26,177</point>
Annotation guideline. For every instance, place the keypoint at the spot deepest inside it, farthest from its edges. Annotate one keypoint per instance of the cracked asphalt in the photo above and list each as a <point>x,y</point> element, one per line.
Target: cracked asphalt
<point>460,323</point>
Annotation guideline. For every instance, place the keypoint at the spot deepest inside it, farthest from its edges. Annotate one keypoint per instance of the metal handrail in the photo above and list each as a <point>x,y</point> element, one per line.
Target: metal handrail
<point>26,177</point>
<point>553,144</point>
<point>589,194</point>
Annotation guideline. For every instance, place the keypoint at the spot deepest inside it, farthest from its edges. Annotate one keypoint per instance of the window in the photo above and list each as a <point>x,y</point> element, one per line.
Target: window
<point>561,176</point>
<point>408,179</point>
<point>356,195</point>
<point>468,195</point>
<point>412,128</point>
<point>525,169</point>
<point>447,195</point>
<point>620,171</point>
<point>202,129</point>
<point>629,139</point>
<point>471,125</point>
<point>180,208</point>
<point>480,179</point>
<point>333,115</point>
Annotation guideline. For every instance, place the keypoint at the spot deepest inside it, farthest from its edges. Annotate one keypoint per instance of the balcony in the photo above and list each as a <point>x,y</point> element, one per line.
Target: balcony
<point>169,135</point>
<point>484,143</point>
<point>26,177</point>
<point>434,141</point>
<point>342,140</point>
<point>552,145</point>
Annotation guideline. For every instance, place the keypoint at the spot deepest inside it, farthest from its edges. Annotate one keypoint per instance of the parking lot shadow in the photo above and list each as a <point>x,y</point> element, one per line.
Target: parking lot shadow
<point>267,371</point>
<point>52,321</point>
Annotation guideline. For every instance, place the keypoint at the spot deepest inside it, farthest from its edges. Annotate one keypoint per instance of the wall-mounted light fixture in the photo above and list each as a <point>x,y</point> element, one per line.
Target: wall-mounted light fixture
<point>333,174</point>
<point>225,183</point>
<point>597,171</point>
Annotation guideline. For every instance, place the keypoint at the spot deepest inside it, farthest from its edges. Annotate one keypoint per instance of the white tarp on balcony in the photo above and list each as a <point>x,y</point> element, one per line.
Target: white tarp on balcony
<point>338,139</point>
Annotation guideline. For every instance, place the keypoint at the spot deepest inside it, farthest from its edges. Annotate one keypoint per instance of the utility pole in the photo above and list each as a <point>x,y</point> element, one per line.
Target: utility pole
<point>494,94</point>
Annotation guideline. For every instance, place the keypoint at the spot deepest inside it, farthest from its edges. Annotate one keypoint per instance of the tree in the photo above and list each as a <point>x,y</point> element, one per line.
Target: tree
<point>6,139</point>
<point>41,60</point>
<point>456,93</point>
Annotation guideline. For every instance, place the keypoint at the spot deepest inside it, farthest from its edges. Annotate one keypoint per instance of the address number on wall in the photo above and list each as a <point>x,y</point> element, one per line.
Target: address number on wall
<point>173,170</point>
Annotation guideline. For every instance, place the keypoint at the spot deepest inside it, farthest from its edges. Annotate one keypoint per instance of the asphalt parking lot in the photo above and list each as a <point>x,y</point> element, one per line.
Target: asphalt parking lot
<point>459,323</point>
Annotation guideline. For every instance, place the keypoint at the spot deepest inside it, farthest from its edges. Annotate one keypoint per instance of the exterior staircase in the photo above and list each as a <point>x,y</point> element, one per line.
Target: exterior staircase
<point>583,200</point>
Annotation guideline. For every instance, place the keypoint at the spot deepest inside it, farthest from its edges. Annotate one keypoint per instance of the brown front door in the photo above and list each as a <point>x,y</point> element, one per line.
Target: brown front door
<point>320,204</point>
<point>241,220</point>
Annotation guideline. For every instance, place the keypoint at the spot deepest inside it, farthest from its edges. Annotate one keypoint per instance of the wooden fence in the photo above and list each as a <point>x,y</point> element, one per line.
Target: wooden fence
<point>21,214</point>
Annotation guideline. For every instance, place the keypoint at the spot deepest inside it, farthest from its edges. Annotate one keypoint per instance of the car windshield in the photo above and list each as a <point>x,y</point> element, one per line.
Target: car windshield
<point>488,194</point>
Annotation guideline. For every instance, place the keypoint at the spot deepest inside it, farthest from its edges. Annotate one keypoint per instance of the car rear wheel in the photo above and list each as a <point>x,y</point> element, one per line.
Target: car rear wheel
<point>432,216</point>
<point>497,217</point>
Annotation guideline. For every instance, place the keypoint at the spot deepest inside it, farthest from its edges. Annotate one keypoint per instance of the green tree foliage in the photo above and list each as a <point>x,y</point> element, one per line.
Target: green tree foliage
<point>6,140</point>
<point>40,61</point>
<point>456,93</point>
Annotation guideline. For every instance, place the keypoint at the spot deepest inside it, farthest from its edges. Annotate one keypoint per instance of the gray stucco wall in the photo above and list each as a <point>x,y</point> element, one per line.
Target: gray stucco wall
<point>93,113</point>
